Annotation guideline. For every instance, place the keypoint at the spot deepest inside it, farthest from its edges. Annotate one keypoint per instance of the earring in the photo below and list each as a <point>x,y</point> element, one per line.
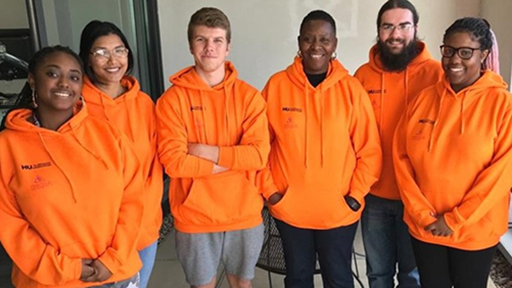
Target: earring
<point>34,96</point>
<point>299,54</point>
<point>334,55</point>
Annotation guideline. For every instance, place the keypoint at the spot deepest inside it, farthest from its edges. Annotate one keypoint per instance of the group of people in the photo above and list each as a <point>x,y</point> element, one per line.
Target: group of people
<point>419,151</point>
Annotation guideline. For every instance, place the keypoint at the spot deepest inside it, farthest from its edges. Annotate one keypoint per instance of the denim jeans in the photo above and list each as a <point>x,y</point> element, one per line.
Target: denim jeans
<point>147,257</point>
<point>387,243</point>
<point>334,250</point>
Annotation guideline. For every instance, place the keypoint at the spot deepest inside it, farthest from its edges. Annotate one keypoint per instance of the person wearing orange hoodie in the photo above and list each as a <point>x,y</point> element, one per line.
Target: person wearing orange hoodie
<point>212,138</point>
<point>115,96</point>
<point>452,152</point>
<point>70,202</point>
<point>399,67</point>
<point>325,155</point>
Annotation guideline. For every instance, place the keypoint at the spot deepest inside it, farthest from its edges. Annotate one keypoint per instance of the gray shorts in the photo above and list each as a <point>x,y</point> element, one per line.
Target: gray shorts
<point>201,253</point>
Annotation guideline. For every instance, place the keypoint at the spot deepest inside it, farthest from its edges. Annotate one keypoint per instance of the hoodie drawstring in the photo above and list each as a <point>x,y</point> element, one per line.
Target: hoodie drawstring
<point>406,84</point>
<point>226,114</point>
<point>306,144</point>
<point>90,151</point>
<point>430,140</point>
<point>58,166</point>
<point>381,124</point>
<point>462,113</point>
<point>322,125</point>
<point>203,118</point>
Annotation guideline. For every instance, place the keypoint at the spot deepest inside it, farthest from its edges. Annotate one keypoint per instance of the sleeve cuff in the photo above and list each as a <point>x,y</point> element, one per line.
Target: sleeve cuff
<point>225,157</point>
<point>358,195</point>
<point>453,220</point>
<point>110,260</point>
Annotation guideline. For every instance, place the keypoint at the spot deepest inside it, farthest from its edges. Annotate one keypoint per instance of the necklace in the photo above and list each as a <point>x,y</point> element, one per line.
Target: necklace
<point>36,121</point>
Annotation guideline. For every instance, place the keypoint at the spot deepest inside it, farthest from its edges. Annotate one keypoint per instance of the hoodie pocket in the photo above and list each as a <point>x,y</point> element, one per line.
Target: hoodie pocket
<point>222,199</point>
<point>310,207</point>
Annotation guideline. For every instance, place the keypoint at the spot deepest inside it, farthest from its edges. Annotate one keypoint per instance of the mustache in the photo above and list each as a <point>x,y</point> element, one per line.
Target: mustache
<point>395,40</point>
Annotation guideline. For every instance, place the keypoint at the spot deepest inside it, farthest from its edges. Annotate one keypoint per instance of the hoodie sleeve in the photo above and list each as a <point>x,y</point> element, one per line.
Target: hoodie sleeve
<point>415,203</point>
<point>172,141</point>
<point>252,151</point>
<point>130,213</point>
<point>264,177</point>
<point>33,256</point>
<point>492,184</point>
<point>366,144</point>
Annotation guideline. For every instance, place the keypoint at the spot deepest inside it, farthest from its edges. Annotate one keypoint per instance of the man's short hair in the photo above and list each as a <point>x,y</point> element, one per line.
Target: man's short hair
<point>209,17</point>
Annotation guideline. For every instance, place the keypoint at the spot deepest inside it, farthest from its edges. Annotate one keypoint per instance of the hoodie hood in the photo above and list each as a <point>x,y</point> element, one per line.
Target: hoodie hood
<point>335,73</point>
<point>466,96</point>
<point>18,120</point>
<point>188,78</point>
<point>98,97</point>
<point>423,56</point>
<point>102,103</point>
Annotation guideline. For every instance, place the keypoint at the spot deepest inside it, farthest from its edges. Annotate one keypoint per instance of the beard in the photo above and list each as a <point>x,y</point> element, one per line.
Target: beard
<point>397,62</point>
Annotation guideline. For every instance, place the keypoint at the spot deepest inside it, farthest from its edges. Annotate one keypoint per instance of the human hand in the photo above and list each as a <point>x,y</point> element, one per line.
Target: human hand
<point>101,272</point>
<point>208,152</point>
<point>439,227</point>
<point>87,269</point>
<point>275,198</point>
<point>218,169</point>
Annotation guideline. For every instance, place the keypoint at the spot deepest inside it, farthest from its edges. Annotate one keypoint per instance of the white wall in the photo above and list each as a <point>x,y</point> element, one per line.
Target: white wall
<point>264,32</point>
<point>497,12</point>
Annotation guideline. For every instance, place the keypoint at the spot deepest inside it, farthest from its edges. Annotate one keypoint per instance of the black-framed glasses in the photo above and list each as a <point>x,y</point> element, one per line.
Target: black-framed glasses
<point>464,53</point>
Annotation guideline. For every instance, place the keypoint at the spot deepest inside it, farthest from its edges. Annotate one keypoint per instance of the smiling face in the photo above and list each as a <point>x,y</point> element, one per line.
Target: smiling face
<point>108,69</point>
<point>317,43</point>
<point>57,81</point>
<point>397,30</point>
<point>460,72</point>
<point>210,47</point>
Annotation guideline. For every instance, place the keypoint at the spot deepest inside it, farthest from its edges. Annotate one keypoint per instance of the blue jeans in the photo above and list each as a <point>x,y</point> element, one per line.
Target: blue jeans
<point>147,257</point>
<point>334,250</point>
<point>387,242</point>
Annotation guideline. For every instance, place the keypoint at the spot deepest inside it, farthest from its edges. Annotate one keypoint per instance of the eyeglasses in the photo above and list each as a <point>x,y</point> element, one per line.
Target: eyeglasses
<point>104,54</point>
<point>464,53</point>
<point>402,28</point>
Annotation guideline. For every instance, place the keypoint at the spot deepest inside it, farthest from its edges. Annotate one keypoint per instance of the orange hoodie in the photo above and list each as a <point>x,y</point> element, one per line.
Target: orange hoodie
<point>325,144</point>
<point>399,89</point>
<point>453,157</point>
<point>65,196</point>
<point>230,115</point>
<point>133,113</point>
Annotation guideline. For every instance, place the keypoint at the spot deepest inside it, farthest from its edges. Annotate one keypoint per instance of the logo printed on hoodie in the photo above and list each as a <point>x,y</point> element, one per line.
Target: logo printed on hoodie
<point>290,124</point>
<point>39,183</point>
<point>427,121</point>
<point>197,108</point>
<point>291,109</point>
<point>35,166</point>
<point>375,91</point>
